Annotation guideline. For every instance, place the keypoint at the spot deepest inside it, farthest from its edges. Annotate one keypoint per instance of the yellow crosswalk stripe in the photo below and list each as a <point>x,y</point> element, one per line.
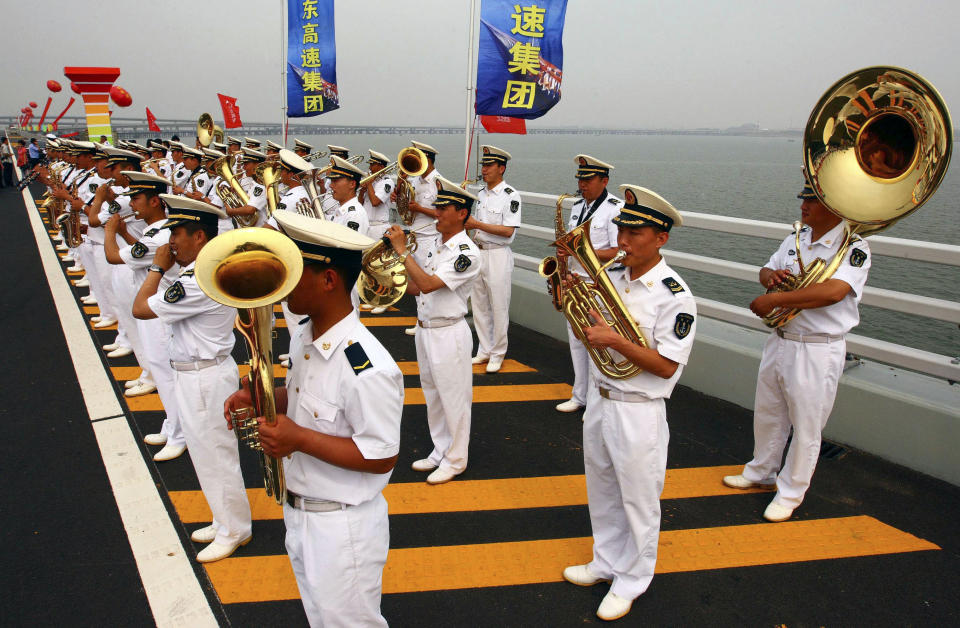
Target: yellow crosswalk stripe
<point>530,562</point>
<point>407,498</point>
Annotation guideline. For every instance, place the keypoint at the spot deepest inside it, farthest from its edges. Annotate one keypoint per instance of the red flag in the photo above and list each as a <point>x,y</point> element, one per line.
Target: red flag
<point>504,124</point>
<point>152,121</point>
<point>231,112</point>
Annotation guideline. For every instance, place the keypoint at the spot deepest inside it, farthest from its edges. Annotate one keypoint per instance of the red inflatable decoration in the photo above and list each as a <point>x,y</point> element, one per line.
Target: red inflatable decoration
<point>53,86</point>
<point>32,104</point>
<point>76,90</point>
<point>120,96</point>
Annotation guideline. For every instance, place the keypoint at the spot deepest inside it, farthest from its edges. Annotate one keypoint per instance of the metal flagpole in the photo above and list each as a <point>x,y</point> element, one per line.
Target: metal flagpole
<point>283,70</point>
<point>471,64</point>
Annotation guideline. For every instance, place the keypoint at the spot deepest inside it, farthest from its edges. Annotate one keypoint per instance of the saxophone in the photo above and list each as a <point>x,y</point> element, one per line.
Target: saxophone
<point>555,268</point>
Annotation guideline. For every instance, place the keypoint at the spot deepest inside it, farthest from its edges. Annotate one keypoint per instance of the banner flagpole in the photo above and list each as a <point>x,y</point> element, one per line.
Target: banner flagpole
<point>471,63</point>
<point>283,70</point>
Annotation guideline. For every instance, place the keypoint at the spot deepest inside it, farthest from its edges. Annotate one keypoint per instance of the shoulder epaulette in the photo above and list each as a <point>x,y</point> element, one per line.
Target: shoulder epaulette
<point>151,232</point>
<point>508,190</point>
<point>187,273</point>
<point>673,285</point>
<point>306,319</point>
<point>613,200</point>
<point>358,358</point>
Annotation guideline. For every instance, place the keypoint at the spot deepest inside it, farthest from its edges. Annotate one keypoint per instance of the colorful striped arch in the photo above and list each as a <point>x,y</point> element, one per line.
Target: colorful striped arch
<point>94,85</point>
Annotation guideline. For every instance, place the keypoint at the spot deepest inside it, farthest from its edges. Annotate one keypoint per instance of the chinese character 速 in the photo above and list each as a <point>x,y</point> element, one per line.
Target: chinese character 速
<point>310,58</point>
<point>528,21</point>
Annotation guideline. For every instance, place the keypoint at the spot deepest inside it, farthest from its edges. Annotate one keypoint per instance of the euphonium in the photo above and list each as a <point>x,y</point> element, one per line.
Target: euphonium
<point>383,280</point>
<point>232,193</point>
<point>412,162</point>
<point>268,176</point>
<point>554,268</point>
<point>579,297</point>
<point>251,269</point>
<point>875,148</point>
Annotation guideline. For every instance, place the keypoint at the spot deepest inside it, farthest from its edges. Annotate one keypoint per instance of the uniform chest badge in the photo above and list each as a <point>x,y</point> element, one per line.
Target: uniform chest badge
<point>462,263</point>
<point>93,187</point>
<point>358,358</point>
<point>857,258</point>
<point>114,207</point>
<point>791,252</point>
<point>386,188</point>
<point>683,325</point>
<point>514,207</point>
<point>200,183</point>
<point>282,205</point>
<point>575,217</point>
<point>674,287</point>
<point>257,191</point>
<point>174,293</point>
<point>354,225</point>
<point>139,250</point>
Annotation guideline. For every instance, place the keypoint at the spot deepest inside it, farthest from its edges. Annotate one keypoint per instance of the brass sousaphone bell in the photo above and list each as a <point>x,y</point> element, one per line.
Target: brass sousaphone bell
<point>875,148</point>
<point>207,131</point>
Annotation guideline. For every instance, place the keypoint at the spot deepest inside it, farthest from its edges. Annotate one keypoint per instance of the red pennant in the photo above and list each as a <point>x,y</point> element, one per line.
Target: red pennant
<point>152,121</point>
<point>231,112</point>
<point>504,124</point>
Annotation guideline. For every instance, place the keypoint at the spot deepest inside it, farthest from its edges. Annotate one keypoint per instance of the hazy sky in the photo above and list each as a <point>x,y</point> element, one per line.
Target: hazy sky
<point>680,64</point>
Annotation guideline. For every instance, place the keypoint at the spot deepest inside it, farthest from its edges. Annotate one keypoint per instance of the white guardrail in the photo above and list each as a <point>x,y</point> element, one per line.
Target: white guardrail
<point>942,366</point>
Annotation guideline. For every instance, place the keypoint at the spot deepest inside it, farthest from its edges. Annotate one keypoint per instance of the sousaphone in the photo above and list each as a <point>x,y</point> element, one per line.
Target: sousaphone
<point>875,149</point>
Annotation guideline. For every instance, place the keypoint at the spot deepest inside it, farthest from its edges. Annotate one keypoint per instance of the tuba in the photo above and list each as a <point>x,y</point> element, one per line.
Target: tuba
<point>251,269</point>
<point>875,148</point>
<point>207,131</point>
<point>267,176</point>
<point>383,280</point>
<point>412,162</point>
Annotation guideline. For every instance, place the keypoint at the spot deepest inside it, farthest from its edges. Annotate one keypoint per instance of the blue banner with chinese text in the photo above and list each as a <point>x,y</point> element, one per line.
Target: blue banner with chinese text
<point>520,60</point>
<point>311,58</point>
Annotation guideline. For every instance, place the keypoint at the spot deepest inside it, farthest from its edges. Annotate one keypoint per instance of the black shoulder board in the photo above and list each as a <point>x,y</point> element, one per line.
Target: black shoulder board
<point>617,267</point>
<point>139,250</point>
<point>305,320</point>
<point>464,247</point>
<point>358,358</point>
<point>674,286</point>
<point>174,293</point>
<point>613,200</point>
<point>354,225</point>
<point>857,257</point>
<point>151,232</point>
<point>187,273</point>
<point>508,190</point>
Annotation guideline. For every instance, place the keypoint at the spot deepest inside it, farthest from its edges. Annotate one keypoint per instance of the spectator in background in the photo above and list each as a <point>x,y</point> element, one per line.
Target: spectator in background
<point>34,152</point>
<point>6,162</point>
<point>22,155</point>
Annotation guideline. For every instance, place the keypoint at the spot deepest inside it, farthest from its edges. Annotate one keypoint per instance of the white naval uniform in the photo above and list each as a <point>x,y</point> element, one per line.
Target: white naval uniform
<point>257,196</point>
<point>68,180</point>
<point>181,176</point>
<point>344,384</point>
<point>424,226</point>
<point>444,343</point>
<point>91,251</point>
<point>351,214</point>
<point>490,299</point>
<point>204,375</point>
<point>154,333</point>
<point>625,438</point>
<point>797,381</point>
<point>224,224</point>
<point>379,215</point>
<point>126,323</point>
<point>603,235</point>
<point>289,201</point>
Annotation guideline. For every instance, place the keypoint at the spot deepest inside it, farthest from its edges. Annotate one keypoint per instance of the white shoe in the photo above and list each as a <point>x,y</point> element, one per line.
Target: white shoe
<point>63,247</point>
<point>113,346</point>
<point>479,359</point>
<point>82,283</point>
<point>285,363</point>
<point>169,452</point>
<point>423,465</point>
<point>440,476</point>
<point>204,535</point>
<point>613,607</point>
<point>131,383</point>
<point>494,365</point>
<point>284,357</point>
<point>105,322</point>
<point>120,352</point>
<point>568,406</point>
<point>777,513</point>
<point>76,268</point>
<point>140,389</point>
<point>89,300</point>
<point>380,309</point>
<point>738,481</point>
<point>155,439</point>
<point>581,576</point>
<point>410,331</point>
<point>67,258</point>
<point>96,319</point>
<point>219,551</point>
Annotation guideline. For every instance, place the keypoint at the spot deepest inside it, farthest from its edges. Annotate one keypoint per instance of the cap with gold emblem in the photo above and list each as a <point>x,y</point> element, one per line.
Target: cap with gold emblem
<point>144,182</point>
<point>300,144</point>
<point>156,146</point>
<point>343,168</point>
<point>81,148</point>
<point>807,191</point>
<point>339,151</point>
<point>643,207</point>
<point>251,143</point>
<point>98,152</point>
<point>588,166</point>
<point>273,146</point>
<point>378,158</point>
<point>253,155</point>
<point>211,154</point>
<point>220,146</point>
<point>176,147</point>
<point>449,193</point>
<point>324,241</point>
<point>494,155</point>
<point>191,152</point>
<point>182,210</point>
<point>293,162</point>
<point>234,141</point>
<point>426,148</point>
<point>119,155</point>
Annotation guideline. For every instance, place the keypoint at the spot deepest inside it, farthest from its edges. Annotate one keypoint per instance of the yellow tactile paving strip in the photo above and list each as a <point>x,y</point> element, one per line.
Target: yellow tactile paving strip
<point>475,495</point>
<point>264,578</point>
<point>414,396</point>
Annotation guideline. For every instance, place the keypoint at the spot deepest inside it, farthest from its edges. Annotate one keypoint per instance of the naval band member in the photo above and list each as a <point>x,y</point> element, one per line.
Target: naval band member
<point>625,432</point>
<point>337,431</point>
<point>803,359</point>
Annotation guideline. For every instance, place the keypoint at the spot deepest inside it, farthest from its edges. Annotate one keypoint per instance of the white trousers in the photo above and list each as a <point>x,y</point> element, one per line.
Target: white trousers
<point>213,448</point>
<point>155,336</point>
<point>100,283</point>
<point>796,387</point>
<point>625,457</point>
<point>338,559</point>
<point>124,292</point>
<point>490,301</point>
<point>581,367</point>
<point>446,376</point>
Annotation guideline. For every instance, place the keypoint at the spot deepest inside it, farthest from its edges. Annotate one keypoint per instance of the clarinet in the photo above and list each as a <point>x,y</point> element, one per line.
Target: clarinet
<point>31,176</point>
